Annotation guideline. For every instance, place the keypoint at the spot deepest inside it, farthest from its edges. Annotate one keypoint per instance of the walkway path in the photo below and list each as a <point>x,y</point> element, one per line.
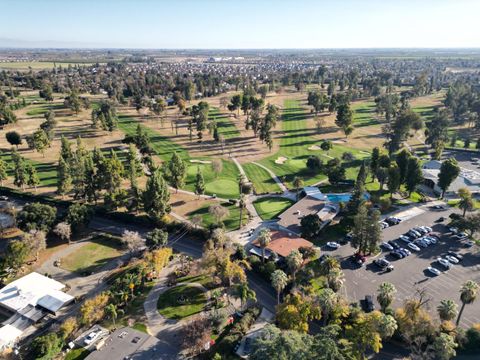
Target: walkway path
<point>239,166</point>
<point>274,177</point>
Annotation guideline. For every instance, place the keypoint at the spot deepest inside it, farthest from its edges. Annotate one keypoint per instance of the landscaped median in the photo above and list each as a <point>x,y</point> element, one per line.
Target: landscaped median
<point>182,301</point>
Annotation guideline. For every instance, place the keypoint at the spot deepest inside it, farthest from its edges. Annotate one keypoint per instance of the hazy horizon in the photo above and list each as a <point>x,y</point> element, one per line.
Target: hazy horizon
<point>249,25</point>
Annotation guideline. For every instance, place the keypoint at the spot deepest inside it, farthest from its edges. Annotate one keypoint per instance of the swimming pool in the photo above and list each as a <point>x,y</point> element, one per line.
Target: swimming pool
<point>345,197</point>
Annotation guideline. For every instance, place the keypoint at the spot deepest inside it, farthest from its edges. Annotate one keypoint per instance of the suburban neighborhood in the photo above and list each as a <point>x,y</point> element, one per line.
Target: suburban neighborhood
<point>171,189</point>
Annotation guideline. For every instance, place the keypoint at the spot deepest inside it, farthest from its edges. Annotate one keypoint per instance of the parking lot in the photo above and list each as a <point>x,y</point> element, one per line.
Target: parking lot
<point>410,273</point>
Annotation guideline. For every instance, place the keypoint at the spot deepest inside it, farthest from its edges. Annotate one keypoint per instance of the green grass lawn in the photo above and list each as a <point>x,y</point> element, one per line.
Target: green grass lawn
<point>43,108</point>
<point>225,126</point>
<point>162,145</point>
<point>93,255</point>
<point>201,279</point>
<point>77,354</point>
<point>270,207</point>
<point>47,172</point>
<point>224,185</point>
<point>364,114</point>
<point>261,179</point>
<point>231,222</point>
<point>294,144</point>
<point>181,301</point>
<point>426,112</point>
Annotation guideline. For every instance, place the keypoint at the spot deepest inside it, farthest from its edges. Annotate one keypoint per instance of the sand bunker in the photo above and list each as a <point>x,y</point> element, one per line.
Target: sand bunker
<point>201,161</point>
<point>339,141</point>
<point>281,160</point>
<point>314,147</point>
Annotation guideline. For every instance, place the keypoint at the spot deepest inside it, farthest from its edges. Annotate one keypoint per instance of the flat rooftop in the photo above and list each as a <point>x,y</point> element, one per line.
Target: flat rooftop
<point>34,289</point>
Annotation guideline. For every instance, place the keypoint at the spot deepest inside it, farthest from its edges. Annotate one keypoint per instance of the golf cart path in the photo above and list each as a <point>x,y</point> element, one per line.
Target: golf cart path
<point>274,177</point>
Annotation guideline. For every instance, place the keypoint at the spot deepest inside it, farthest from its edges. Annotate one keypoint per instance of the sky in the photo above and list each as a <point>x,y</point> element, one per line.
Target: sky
<point>240,24</point>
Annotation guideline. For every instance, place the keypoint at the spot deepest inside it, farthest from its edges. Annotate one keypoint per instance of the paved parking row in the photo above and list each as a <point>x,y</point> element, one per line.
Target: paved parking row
<point>410,273</point>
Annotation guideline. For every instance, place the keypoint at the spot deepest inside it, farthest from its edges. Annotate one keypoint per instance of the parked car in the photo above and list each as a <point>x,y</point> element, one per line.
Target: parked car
<point>405,238</point>
<point>405,251</point>
<point>421,230</point>
<point>91,337</point>
<point>434,271</point>
<point>394,244</point>
<point>456,255</point>
<point>3,198</point>
<point>452,259</point>
<point>384,224</point>
<point>384,264</point>
<point>452,229</point>
<point>397,254</point>
<point>438,207</point>
<point>433,239</point>
<point>440,219</point>
<point>358,259</point>
<point>420,243</point>
<point>387,246</point>
<point>333,244</point>
<point>369,306</point>
<point>469,243</point>
<point>414,234</point>
<point>413,247</point>
<point>444,263</point>
<point>393,220</point>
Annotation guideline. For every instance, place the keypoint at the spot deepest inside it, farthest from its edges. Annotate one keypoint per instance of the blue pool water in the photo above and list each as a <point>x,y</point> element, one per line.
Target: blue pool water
<point>338,198</point>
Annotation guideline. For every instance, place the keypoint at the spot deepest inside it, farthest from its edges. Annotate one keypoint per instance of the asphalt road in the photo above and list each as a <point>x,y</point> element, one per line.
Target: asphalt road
<point>410,273</point>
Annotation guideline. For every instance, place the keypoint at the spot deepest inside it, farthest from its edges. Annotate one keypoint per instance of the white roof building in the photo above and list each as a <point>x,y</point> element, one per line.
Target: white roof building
<point>34,289</point>
<point>29,299</point>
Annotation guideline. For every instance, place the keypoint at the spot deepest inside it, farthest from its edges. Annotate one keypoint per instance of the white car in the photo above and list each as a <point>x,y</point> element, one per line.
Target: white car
<point>444,262</point>
<point>413,247</point>
<point>434,271</point>
<point>91,337</point>
<point>384,224</point>
<point>452,259</point>
<point>333,244</point>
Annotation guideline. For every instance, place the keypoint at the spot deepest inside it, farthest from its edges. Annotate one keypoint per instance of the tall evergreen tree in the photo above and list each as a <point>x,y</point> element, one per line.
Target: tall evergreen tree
<point>199,183</point>
<point>393,182</point>
<point>374,162</point>
<point>414,175</point>
<point>20,174</point>
<point>3,171</point>
<point>402,162</point>
<point>449,170</point>
<point>32,176</point>
<point>64,179</point>
<point>357,198</point>
<point>176,171</point>
<point>156,197</point>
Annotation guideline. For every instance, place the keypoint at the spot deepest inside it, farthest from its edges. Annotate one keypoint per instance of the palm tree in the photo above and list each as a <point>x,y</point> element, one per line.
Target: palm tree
<point>386,293</point>
<point>335,279</point>
<point>111,311</point>
<point>279,282</point>
<point>466,200</point>
<point>297,183</point>
<point>264,239</point>
<point>294,263</point>
<point>327,300</point>
<point>447,310</point>
<point>329,264</point>
<point>244,293</point>
<point>468,294</point>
